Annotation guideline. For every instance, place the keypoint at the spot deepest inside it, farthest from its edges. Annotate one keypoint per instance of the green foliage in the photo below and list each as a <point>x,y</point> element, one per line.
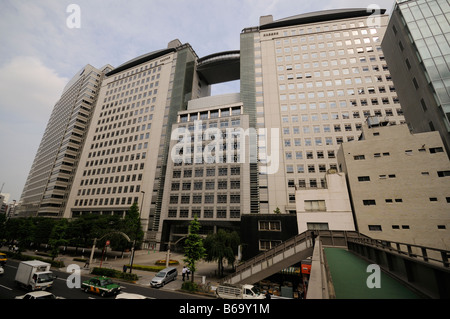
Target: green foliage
<point>148,268</point>
<point>79,232</point>
<point>193,249</point>
<point>277,210</point>
<point>112,273</point>
<point>22,257</point>
<point>189,286</point>
<point>222,246</point>
<point>58,237</point>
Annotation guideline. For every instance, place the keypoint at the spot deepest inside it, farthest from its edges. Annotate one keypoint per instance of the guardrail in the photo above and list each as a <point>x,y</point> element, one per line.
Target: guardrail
<point>425,270</point>
<point>271,257</point>
<point>426,254</point>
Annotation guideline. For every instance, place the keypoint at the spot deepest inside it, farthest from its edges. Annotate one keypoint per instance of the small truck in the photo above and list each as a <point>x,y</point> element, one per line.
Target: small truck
<point>34,275</point>
<point>238,292</point>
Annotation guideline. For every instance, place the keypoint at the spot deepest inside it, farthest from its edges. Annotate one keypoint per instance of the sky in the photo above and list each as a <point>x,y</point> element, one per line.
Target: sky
<point>41,50</point>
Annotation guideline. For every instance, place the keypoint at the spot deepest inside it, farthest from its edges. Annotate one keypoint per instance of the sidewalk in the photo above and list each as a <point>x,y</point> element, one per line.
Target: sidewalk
<point>205,271</point>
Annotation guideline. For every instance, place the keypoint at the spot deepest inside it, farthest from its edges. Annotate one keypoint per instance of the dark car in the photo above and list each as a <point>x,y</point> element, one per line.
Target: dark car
<point>100,285</point>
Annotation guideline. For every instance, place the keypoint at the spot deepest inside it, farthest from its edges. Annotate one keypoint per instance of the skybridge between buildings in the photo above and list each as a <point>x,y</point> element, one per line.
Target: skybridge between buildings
<point>349,265</point>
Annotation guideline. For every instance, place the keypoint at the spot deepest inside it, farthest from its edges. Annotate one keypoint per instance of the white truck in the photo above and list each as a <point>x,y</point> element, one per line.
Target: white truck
<point>238,292</point>
<point>34,275</point>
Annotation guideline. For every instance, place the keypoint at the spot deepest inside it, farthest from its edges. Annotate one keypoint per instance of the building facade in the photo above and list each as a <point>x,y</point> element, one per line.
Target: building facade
<point>417,48</point>
<point>315,78</point>
<point>125,157</point>
<point>50,179</point>
<point>399,184</point>
<point>208,169</point>
<point>327,207</point>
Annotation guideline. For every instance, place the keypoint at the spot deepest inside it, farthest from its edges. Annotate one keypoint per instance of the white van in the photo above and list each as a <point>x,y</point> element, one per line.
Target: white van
<point>164,276</point>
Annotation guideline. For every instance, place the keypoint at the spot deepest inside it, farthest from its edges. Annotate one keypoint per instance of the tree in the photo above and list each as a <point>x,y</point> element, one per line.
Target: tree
<point>132,223</point>
<point>193,249</point>
<point>277,210</point>
<point>58,237</point>
<point>222,246</point>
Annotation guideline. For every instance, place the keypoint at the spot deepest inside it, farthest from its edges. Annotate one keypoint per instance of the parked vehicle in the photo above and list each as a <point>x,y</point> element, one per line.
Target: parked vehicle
<point>238,292</point>
<point>164,276</point>
<point>34,275</point>
<point>3,259</point>
<point>2,271</point>
<point>130,296</point>
<point>101,285</point>
<point>39,295</point>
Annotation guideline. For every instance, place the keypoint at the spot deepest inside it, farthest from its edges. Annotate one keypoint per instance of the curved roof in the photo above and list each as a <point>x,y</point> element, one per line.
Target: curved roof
<point>140,59</point>
<point>319,16</point>
<point>220,67</point>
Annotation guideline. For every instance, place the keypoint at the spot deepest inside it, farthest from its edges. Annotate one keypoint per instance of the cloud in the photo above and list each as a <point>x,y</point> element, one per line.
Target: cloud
<point>29,89</point>
<point>28,93</point>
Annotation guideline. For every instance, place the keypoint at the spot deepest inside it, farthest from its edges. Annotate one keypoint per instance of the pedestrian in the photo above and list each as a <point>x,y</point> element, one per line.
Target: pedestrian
<point>86,264</point>
<point>124,268</point>
<point>187,273</point>
<point>268,295</point>
<point>183,272</point>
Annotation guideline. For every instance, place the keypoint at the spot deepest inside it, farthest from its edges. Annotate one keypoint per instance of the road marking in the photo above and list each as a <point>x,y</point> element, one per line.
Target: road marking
<point>5,287</point>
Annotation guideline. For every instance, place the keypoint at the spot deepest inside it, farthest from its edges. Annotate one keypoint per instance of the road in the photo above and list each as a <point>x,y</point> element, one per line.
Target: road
<point>9,289</point>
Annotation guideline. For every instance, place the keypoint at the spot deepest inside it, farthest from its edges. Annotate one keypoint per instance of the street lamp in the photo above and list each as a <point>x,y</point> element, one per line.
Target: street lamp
<point>137,231</point>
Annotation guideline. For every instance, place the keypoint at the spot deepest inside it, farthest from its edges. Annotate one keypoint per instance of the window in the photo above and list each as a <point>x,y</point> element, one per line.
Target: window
<point>363,178</point>
<point>375,227</point>
<point>369,202</point>
<point>269,225</point>
<point>359,157</point>
<point>317,226</point>
<point>315,205</point>
<point>436,150</point>
<point>268,244</point>
<point>443,173</point>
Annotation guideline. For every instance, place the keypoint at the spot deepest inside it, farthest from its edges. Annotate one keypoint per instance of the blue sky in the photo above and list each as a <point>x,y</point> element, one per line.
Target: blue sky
<point>39,53</point>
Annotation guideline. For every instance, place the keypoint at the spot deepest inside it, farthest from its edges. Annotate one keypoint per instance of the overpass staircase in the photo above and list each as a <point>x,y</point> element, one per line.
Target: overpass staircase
<point>424,270</point>
<point>285,255</point>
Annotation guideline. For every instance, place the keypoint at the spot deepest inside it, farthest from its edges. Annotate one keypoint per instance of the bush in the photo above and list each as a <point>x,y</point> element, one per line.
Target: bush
<point>162,262</point>
<point>112,273</point>
<point>148,268</point>
<point>189,286</point>
<point>21,257</point>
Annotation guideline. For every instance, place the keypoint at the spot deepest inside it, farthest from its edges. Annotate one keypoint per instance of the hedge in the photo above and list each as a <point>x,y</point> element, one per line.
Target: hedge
<point>114,274</point>
<point>147,268</point>
<point>21,257</point>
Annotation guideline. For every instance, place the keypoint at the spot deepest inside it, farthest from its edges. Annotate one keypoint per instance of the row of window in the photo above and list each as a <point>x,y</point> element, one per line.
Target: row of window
<point>209,185</point>
<point>432,150</point>
<point>325,28</point>
<point>200,172</point>
<point>117,159</point>
<point>114,169</point>
<point>309,154</point>
<point>379,228</point>
<point>319,141</point>
<point>109,190</point>
<point>205,198</point>
<point>106,201</point>
<point>212,114</point>
<point>372,202</point>
<point>294,118</point>
<point>206,212</point>
<point>340,93</point>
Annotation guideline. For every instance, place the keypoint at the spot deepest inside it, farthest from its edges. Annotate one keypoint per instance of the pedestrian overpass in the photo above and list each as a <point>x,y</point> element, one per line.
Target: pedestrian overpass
<point>340,267</point>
